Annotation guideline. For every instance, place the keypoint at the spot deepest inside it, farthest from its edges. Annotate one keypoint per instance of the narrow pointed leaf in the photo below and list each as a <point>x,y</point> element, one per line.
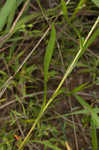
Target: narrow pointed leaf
<point>64,10</point>
<point>49,52</point>
<point>47,59</point>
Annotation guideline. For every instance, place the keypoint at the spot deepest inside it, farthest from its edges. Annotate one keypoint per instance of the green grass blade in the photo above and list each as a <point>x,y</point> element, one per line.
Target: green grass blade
<point>12,14</point>
<point>92,38</point>
<point>84,111</point>
<point>47,58</point>
<point>10,19</point>
<point>49,52</point>
<point>64,10</point>
<point>5,11</point>
<point>87,106</point>
<point>80,5</point>
<point>80,87</point>
<point>94,136</point>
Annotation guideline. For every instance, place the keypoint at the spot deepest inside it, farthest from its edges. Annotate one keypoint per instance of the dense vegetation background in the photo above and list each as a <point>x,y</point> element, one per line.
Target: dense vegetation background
<point>49,75</point>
